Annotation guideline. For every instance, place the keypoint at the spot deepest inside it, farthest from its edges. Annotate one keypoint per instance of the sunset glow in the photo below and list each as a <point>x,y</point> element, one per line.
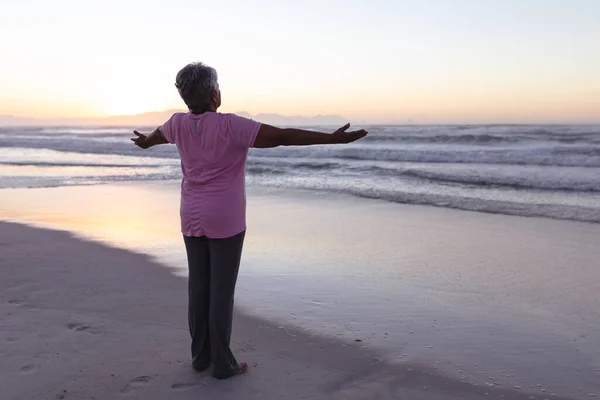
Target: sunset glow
<point>381,61</point>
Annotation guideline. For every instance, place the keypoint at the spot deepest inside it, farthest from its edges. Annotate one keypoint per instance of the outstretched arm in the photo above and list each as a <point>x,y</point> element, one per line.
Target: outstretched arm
<point>147,141</point>
<point>270,136</point>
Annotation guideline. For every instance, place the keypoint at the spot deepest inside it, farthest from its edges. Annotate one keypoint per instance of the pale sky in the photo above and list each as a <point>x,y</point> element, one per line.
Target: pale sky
<point>433,61</point>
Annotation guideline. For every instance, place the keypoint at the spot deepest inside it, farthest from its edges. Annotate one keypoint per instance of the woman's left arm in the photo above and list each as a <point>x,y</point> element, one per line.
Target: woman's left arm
<point>147,141</point>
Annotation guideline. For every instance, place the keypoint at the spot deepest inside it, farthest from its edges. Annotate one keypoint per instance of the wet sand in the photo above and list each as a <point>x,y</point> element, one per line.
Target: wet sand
<point>459,302</point>
<point>80,320</point>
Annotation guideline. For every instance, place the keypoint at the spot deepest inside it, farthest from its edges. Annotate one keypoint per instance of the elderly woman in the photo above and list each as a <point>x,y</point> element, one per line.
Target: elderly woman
<point>213,148</point>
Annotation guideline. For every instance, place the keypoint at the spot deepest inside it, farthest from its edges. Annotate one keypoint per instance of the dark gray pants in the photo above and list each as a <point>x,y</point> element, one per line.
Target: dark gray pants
<point>213,269</point>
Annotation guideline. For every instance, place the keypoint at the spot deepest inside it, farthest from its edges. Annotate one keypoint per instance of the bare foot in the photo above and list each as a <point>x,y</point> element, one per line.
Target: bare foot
<point>241,368</point>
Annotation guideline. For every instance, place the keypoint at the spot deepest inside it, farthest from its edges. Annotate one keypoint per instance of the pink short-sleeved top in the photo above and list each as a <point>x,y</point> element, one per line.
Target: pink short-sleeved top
<point>213,148</point>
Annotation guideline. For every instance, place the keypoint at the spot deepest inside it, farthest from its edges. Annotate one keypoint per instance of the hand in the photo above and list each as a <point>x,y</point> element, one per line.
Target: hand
<point>141,140</point>
<point>343,136</point>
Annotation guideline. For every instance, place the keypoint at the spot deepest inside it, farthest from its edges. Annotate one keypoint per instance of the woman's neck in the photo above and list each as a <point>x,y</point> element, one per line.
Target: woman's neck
<point>198,112</point>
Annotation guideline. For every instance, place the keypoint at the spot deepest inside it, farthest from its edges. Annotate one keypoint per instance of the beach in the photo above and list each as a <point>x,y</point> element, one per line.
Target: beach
<point>395,200</point>
<point>84,321</point>
<point>338,297</point>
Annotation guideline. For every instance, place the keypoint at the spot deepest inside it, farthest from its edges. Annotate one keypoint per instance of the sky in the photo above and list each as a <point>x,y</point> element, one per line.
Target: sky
<point>383,61</point>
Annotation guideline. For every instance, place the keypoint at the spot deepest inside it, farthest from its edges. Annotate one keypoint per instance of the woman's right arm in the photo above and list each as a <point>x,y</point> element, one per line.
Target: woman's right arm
<point>270,136</point>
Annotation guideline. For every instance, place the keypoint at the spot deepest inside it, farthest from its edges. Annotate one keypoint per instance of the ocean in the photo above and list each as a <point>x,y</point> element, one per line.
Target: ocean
<point>529,170</point>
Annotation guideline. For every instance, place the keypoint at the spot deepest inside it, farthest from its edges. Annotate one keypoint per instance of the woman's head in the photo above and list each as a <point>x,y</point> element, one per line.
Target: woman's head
<point>198,86</point>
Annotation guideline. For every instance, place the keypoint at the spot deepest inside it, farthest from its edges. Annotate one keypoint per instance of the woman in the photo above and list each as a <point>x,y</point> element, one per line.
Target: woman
<point>213,148</point>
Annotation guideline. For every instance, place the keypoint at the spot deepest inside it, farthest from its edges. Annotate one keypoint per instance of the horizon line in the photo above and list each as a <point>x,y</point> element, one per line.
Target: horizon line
<point>405,121</point>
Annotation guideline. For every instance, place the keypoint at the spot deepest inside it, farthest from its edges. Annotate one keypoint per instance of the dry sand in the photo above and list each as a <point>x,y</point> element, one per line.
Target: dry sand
<point>80,320</point>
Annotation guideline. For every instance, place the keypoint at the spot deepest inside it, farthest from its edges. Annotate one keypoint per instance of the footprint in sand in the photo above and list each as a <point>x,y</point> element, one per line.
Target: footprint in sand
<point>82,328</point>
<point>28,369</point>
<point>184,386</point>
<point>136,384</point>
<point>44,356</point>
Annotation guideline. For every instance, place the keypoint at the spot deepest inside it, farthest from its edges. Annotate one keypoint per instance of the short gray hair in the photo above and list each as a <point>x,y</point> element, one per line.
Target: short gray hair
<point>196,82</point>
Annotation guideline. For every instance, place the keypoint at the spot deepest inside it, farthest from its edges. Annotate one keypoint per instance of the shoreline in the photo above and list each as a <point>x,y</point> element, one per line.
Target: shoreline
<point>108,322</point>
<point>552,212</point>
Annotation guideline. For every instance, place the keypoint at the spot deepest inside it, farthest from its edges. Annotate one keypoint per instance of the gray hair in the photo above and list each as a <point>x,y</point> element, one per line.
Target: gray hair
<point>196,82</point>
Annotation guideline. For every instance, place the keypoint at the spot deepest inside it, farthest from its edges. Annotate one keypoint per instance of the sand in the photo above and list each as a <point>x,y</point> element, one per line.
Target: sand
<point>80,320</point>
<point>446,304</point>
